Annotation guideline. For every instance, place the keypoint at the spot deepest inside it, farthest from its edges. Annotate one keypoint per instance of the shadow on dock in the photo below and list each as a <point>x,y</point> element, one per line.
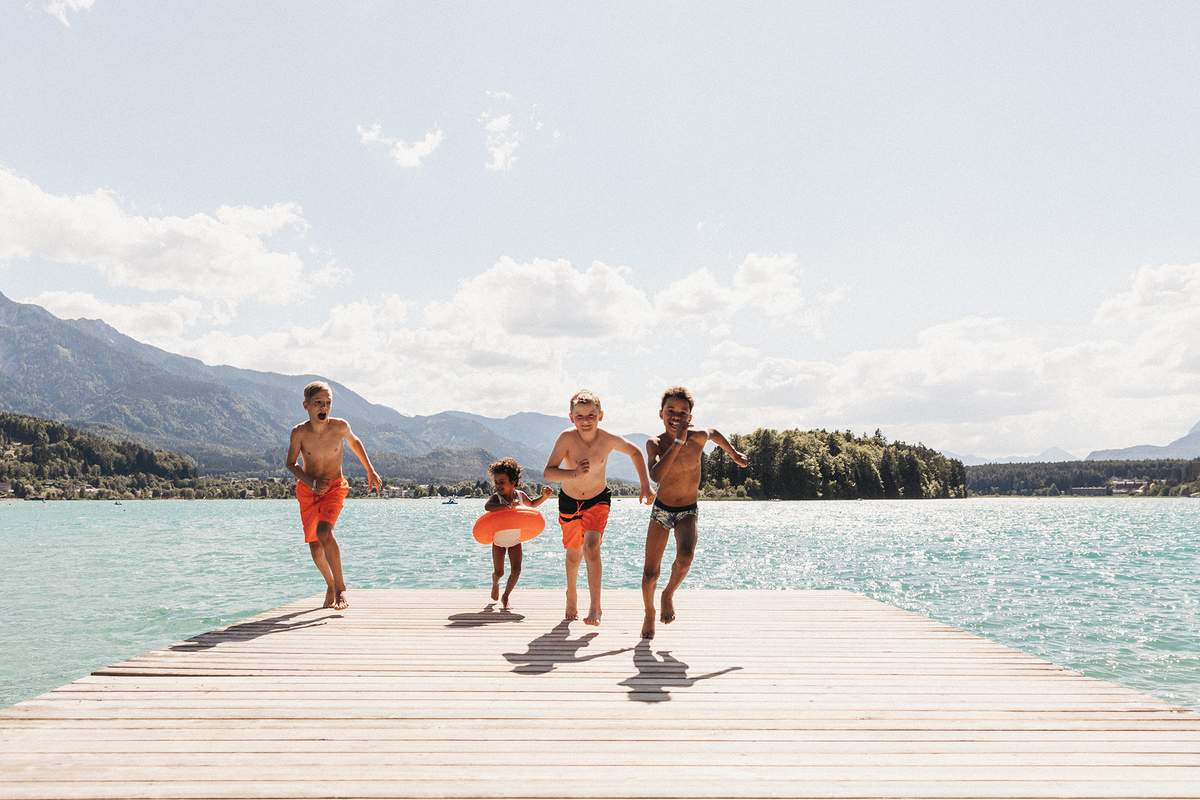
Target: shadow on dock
<point>245,631</point>
<point>555,647</point>
<point>477,619</point>
<point>654,676</point>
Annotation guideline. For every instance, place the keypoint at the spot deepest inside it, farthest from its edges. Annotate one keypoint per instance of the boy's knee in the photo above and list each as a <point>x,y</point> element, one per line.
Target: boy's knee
<point>574,555</point>
<point>497,574</point>
<point>591,547</point>
<point>515,572</point>
<point>650,574</point>
<point>684,557</point>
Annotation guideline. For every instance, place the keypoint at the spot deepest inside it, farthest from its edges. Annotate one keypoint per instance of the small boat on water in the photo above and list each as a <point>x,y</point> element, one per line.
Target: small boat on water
<point>450,502</point>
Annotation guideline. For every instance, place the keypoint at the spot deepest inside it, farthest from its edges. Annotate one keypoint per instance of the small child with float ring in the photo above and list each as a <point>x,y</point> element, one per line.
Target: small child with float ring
<point>506,476</point>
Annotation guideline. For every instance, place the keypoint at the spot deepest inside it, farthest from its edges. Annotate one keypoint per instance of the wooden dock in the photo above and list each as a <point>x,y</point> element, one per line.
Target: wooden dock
<point>749,694</point>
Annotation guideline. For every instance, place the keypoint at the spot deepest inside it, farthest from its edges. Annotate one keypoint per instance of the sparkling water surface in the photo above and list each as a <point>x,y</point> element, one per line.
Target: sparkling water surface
<point>1106,586</point>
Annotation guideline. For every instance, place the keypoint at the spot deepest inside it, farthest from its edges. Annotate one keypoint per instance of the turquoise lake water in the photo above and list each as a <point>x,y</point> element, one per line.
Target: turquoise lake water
<point>1106,586</point>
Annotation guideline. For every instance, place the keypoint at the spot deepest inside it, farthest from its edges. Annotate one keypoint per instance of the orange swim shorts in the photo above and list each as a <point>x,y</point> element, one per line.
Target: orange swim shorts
<point>579,516</point>
<point>324,507</point>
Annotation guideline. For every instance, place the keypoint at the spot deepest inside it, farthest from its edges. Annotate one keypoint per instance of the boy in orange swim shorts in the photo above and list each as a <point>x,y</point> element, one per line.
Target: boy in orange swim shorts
<point>321,488</point>
<point>578,460</point>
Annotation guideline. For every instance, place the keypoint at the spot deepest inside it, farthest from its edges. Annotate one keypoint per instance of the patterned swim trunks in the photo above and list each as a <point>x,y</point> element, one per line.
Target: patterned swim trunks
<point>670,516</point>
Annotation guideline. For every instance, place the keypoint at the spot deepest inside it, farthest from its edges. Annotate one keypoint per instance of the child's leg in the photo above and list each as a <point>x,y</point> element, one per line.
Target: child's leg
<point>591,553</point>
<point>317,550</point>
<point>514,572</point>
<point>685,549</point>
<point>334,555</point>
<point>497,570</point>
<point>656,543</point>
<point>574,556</point>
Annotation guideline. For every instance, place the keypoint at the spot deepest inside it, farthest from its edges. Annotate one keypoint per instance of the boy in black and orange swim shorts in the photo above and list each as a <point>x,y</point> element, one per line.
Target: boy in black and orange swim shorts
<point>578,460</point>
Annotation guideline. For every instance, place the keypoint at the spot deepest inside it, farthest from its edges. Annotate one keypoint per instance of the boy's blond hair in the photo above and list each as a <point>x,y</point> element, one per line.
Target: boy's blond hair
<point>679,393</point>
<point>585,397</point>
<point>314,387</point>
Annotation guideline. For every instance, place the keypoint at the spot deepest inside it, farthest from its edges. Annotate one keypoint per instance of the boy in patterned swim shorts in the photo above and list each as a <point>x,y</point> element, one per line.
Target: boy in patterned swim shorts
<point>674,459</point>
<point>578,460</point>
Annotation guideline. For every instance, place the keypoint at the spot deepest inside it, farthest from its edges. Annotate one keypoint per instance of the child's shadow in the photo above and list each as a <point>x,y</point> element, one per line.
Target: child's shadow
<point>251,629</point>
<point>553,648</point>
<point>649,685</point>
<point>488,616</point>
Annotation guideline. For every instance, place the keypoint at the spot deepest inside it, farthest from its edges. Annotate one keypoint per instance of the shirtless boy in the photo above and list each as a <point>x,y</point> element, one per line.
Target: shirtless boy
<point>320,486</point>
<point>578,461</point>
<point>674,459</point>
<point>506,476</point>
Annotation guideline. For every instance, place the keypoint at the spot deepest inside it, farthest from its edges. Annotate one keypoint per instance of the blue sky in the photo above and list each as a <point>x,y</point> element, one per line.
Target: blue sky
<point>970,224</point>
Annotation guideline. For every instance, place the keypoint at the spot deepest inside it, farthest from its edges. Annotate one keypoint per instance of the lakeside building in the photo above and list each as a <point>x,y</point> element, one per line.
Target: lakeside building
<point>1088,491</point>
<point>1126,485</point>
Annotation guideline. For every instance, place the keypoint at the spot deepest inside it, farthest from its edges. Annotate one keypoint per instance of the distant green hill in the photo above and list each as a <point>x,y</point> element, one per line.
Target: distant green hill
<point>1055,478</point>
<point>36,453</point>
<point>830,465</point>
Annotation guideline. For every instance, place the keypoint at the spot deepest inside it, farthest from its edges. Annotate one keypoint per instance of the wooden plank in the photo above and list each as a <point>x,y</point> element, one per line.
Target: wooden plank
<point>750,694</point>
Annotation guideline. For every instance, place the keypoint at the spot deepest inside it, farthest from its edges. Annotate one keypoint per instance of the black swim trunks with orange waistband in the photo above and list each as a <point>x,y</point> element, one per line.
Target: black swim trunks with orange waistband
<point>578,516</point>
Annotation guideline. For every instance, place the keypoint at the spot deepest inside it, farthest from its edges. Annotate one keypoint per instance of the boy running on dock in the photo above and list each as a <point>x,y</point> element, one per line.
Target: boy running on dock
<point>506,476</point>
<point>578,460</point>
<point>321,488</point>
<point>674,459</point>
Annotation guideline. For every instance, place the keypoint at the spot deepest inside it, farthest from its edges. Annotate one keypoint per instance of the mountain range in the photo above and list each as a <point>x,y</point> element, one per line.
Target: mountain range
<point>1053,454</point>
<point>89,374</point>
<point>1186,446</point>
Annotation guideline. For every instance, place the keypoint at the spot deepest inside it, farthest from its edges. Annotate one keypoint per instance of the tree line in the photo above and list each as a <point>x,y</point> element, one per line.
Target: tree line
<point>830,465</point>
<point>1051,478</point>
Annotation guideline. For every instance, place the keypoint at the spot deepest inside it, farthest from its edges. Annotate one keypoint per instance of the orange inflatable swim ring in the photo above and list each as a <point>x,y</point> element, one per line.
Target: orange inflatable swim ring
<point>508,526</point>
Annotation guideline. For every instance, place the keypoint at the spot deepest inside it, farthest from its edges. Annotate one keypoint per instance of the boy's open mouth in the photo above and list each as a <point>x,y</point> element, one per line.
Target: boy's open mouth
<point>322,415</point>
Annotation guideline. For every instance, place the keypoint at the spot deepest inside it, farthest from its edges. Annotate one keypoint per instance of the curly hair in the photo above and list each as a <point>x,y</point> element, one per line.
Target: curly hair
<point>509,467</point>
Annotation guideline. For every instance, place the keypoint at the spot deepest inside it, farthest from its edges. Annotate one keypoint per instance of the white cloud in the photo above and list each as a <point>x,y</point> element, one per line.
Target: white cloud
<point>548,300</point>
<point>985,385</point>
<point>59,8</point>
<point>223,258</point>
<point>407,155</point>
<point>766,287</point>
<point>151,322</point>
<point>501,138</point>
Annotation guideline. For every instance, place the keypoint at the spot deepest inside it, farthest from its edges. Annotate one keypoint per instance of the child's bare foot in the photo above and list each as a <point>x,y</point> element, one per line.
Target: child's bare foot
<point>668,609</point>
<point>330,597</point>
<point>495,588</point>
<point>593,617</point>
<point>648,625</point>
<point>340,603</point>
<point>504,602</point>
<point>572,612</point>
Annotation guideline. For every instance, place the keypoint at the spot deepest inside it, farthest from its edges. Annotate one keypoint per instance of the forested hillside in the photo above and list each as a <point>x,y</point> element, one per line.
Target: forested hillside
<point>1054,478</point>
<point>830,465</point>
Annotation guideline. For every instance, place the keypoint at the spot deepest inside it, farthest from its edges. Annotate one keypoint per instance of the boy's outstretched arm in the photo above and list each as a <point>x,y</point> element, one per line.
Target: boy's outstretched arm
<point>356,445</point>
<point>738,457</point>
<point>293,461</point>
<point>546,494</point>
<point>553,470</point>
<point>639,463</point>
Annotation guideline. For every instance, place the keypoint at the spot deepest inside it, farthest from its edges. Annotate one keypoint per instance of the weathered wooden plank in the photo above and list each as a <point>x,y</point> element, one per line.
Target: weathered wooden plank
<point>428,693</point>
